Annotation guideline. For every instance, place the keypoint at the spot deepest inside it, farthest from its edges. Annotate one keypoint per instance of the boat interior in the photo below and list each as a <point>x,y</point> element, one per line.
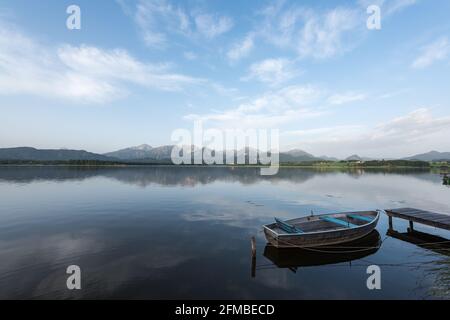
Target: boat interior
<point>319,223</point>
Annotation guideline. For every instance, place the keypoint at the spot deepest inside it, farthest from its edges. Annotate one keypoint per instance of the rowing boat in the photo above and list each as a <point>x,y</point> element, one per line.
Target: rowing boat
<point>321,230</point>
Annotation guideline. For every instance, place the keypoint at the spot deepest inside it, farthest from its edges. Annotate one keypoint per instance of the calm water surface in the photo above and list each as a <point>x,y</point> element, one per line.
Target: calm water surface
<point>170,232</point>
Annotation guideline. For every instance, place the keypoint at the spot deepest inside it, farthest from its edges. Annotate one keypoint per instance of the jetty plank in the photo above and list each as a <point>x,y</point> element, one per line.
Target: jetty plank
<point>425,217</point>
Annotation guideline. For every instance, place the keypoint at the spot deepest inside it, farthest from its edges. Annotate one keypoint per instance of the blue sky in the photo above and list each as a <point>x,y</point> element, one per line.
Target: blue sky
<point>138,70</point>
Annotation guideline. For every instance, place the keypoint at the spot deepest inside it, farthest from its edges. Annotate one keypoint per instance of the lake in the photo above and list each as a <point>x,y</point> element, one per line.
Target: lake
<point>184,232</point>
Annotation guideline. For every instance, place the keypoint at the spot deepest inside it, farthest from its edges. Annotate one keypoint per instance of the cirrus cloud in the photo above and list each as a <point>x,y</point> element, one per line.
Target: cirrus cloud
<point>436,51</point>
<point>309,32</point>
<point>161,20</point>
<point>348,97</point>
<point>83,73</point>
<point>212,26</point>
<point>241,49</point>
<point>269,110</point>
<point>272,71</point>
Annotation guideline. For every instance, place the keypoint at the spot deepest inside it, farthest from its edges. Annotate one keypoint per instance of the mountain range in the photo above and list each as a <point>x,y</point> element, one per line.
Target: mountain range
<point>145,152</point>
<point>26,153</point>
<point>142,152</point>
<point>430,156</point>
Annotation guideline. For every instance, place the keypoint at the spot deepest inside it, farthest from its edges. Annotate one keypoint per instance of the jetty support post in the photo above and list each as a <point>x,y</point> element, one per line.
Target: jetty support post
<point>390,223</point>
<point>413,216</point>
<point>411,226</point>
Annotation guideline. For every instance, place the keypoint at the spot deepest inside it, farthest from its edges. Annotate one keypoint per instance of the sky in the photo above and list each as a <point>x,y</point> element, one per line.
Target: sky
<point>138,70</point>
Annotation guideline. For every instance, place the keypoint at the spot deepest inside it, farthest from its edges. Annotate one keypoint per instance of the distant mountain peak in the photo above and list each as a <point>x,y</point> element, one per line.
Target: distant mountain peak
<point>353,157</point>
<point>327,158</point>
<point>144,151</point>
<point>356,157</point>
<point>144,147</point>
<point>297,155</point>
<point>430,156</point>
<point>298,152</point>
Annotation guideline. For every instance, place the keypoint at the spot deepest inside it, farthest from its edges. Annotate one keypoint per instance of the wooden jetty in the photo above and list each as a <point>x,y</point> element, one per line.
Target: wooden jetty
<point>428,218</point>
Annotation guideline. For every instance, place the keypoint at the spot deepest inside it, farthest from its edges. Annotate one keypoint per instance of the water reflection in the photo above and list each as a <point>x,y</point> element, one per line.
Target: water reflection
<point>424,240</point>
<point>439,270</point>
<point>439,251</point>
<point>185,176</point>
<point>172,232</point>
<point>296,258</point>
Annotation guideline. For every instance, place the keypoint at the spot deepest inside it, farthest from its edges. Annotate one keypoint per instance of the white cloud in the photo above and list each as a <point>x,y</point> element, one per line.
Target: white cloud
<point>322,37</point>
<point>241,49</point>
<point>157,18</point>
<point>390,94</point>
<point>272,109</point>
<point>83,73</point>
<point>388,7</point>
<point>119,65</point>
<point>320,34</point>
<point>348,97</point>
<point>278,107</point>
<point>320,136</point>
<point>310,33</point>
<point>160,19</point>
<point>416,132</point>
<point>272,71</point>
<point>411,127</point>
<point>222,90</point>
<point>395,6</point>
<point>436,51</point>
<point>212,26</point>
<point>189,55</point>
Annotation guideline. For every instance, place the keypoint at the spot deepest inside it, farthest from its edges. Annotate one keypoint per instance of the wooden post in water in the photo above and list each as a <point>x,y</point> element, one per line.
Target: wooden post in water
<point>390,223</point>
<point>253,241</point>
<point>253,247</point>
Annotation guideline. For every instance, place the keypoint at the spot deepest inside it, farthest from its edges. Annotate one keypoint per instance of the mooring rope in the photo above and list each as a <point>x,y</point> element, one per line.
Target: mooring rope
<point>417,264</point>
<point>360,249</point>
<point>339,264</point>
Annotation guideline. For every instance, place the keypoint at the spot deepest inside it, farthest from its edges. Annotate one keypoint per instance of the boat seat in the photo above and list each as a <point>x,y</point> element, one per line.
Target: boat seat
<point>358,217</point>
<point>339,222</point>
<point>289,228</point>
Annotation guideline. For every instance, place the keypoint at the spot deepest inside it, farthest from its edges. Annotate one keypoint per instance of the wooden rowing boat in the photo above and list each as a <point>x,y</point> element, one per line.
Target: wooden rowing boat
<point>321,230</point>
